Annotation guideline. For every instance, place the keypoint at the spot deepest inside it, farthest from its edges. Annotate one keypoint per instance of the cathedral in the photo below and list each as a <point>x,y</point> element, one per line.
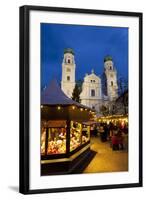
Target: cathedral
<point>93,94</point>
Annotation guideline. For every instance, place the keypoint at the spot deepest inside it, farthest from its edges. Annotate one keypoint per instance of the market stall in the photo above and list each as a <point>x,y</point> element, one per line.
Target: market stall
<point>65,137</point>
<point>117,120</point>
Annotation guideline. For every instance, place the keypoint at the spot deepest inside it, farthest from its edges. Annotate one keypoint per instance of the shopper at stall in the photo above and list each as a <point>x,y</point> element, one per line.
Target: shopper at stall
<point>125,141</point>
<point>115,142</point>
<point>120,140</point>
<point>101,132</point>
<point>95,130</point>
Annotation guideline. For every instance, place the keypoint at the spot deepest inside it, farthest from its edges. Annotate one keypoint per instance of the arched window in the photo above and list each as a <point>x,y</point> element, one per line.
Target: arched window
<point>68,78</point>
<point>112,83</point>
<point>92,81</point>
<point>69,61</point>
<point>92,93</point>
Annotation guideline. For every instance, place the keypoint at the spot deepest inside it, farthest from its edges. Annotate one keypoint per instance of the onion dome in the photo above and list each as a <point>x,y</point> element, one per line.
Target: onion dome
<point>69,50</point>
<point>108,58</point>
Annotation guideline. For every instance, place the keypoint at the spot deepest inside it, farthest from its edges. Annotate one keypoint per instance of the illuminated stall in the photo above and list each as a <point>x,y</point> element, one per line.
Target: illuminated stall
<point>120,121</point>
<point>117,120</point>
<point>65,139</point>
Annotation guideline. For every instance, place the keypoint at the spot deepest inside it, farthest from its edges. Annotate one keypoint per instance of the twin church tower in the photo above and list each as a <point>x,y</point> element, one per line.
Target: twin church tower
<point>92,94</point>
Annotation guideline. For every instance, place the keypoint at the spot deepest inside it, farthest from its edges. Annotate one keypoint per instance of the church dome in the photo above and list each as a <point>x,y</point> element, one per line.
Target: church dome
<point>69,50</point>
<point>108,58</point>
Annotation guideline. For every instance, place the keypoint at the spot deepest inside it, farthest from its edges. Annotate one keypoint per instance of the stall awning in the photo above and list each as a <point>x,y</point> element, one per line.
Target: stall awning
<point>53,95</point>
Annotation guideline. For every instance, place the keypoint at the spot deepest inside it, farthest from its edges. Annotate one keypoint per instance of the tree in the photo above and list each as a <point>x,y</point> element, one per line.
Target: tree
<point>122,85</point>
<point>43,87</point>
<point>125,102</point>
<point>104,110</point>
<point>122,103</point>
<point>79,83</point>
<point>104,84</point>
<point>76,93</point>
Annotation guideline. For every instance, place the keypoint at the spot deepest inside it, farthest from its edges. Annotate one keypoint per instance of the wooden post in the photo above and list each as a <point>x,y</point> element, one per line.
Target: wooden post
<point>68,138</point>
<point>46,142</point>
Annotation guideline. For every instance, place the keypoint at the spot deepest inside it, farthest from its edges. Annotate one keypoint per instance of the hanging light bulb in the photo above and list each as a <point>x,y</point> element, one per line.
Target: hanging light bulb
<point>73,107</point>
<point>59,107</point>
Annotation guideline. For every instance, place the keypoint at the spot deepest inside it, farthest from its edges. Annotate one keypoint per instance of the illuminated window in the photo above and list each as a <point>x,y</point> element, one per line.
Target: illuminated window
<point>56,141</point>
<point>85,134</point>
<point>75,135</point>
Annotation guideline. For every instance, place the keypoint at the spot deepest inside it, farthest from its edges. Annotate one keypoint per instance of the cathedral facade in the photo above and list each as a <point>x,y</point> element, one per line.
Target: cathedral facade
<point>92,95</point>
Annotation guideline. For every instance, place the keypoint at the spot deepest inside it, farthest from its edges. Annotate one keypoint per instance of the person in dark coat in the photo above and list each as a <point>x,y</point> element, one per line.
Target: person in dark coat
<point>105,134</point>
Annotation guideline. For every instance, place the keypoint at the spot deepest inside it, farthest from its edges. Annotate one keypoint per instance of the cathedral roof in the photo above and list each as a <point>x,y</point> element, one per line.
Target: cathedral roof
<point>53,95</point>
<point>91,76</point>
<point>69,50</point>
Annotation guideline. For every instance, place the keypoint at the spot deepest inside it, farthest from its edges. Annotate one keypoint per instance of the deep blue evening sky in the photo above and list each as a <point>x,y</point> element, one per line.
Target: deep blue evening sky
<point>90,44</point>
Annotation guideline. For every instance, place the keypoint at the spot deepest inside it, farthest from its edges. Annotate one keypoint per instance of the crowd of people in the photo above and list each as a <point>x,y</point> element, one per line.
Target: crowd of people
<point>117,135</point>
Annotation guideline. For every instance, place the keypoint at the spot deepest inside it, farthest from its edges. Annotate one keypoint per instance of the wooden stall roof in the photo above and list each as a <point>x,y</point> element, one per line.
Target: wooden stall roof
<point>53,95</point>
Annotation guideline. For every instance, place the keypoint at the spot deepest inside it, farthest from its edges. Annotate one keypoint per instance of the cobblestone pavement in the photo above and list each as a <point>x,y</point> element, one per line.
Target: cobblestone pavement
<point>106,160</point>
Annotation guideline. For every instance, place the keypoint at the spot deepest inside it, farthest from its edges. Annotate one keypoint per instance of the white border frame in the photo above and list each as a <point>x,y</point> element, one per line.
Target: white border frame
<point>48,182</point>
